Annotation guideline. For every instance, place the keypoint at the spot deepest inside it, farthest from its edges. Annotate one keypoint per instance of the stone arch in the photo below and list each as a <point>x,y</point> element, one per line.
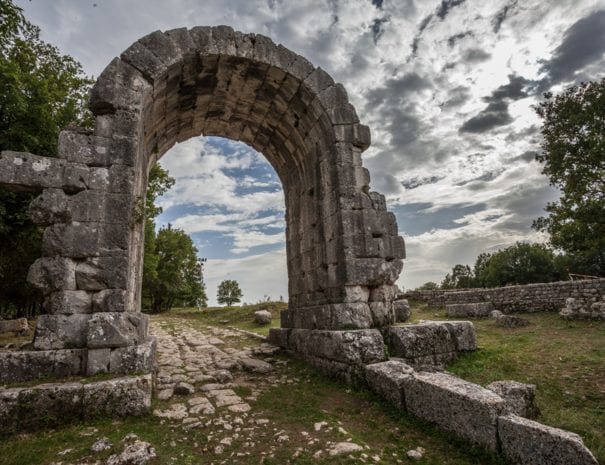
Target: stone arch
<point>343,249</point>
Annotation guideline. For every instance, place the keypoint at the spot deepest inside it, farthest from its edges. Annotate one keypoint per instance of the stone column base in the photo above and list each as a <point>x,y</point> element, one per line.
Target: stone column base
<point>342,354</point>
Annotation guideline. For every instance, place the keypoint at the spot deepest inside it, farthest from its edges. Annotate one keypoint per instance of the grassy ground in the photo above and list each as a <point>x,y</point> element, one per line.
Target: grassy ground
<point>240,317</point>
<point>566,360</point>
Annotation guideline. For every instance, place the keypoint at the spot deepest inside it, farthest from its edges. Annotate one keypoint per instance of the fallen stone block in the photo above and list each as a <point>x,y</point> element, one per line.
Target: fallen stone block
<point>527,442</point>
<point>263,317</point>
<point>387,380</point>
<point>520,398</point>
<point>511,321</point>
<point>472,310</point>
<point>431,342</point>
<point>464,408</point>
<point>14,326</point>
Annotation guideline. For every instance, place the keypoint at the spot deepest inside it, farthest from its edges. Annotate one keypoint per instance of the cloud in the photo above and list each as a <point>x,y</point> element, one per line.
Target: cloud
<point>583,43</point>
<point>499,18</point>
<point>496,113</point>
<point>446,6</point>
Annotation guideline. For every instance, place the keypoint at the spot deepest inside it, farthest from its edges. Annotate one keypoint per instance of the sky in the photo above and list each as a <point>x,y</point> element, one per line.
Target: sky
<point>446,86</point>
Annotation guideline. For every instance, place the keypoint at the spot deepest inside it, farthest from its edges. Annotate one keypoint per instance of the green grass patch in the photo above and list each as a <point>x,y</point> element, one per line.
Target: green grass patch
<point>565,360</point>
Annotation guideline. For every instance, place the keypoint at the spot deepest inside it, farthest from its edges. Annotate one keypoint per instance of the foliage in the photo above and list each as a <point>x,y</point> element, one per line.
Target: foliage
<point>228,292</point>
<point>460,277</point>
<point>573,154</point>
<point>428,286</point>
<point>172,273</point>
<point>521,263</point>
<point>41,92</point>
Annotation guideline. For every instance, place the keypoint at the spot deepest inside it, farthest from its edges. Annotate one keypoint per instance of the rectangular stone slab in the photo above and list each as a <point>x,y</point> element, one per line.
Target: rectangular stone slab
<point>387,380</point>
<point>527,442</point>
<point>463,408</point>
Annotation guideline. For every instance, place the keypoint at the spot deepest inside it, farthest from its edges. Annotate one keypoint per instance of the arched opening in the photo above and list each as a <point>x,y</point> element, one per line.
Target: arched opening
<point>229,200</point>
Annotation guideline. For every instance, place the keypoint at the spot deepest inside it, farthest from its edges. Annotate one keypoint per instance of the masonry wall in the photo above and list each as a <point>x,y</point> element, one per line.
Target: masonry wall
<point>523,298</point>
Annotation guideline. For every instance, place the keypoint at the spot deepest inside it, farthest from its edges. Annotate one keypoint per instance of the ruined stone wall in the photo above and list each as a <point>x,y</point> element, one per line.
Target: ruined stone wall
<point>522,298</point>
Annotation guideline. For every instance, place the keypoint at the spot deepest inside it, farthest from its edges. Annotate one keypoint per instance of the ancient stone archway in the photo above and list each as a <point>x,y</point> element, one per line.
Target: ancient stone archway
<point>344,253</point>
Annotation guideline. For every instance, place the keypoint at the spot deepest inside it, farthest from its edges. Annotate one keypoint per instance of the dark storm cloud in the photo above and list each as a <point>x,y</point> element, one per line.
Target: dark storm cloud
<point>416,182</point>
<point>528,156</point>
<point>496,113</point>
<point>502,15</point>
<point>415,218</point>
<point>396,89</point>
<point>451,41</point>
<point>446,6</point>
<point>377,4</point>
<point>423,25</point>
<point>377,29</point>
<point>484,178</point>
<point>457,96</point>
<point>475,55</point>
<point>583,44</point>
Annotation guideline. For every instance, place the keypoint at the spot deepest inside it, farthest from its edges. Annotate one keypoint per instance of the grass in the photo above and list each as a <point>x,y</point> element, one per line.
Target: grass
<point>564,359</point>
<point>239,317</point>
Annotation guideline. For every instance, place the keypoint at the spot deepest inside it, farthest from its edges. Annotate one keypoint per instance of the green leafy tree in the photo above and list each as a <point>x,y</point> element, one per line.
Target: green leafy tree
<point>172,273</point>
<point>428,286</point>
<point>229,292</point>
<point>461,277</point>
<point>573,154</point>
<point>41,92</point>
<point>521,263</point>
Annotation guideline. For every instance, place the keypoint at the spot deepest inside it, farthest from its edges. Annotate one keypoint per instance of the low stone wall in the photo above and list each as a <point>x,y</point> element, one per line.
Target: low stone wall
<point>50,405</point>
<point>521,298</point>
<point>30,365</point>
<point>475,413</point>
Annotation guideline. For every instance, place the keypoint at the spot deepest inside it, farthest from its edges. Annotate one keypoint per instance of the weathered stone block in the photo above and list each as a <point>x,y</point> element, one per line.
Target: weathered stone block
<point>520,398</point>
<point>139,358</point>
<point>475,310</point>
<point>61,332</point>
<point>68,302</point>
<point>14,326</point>
<point>120,86</point>
<point>382,314</point>
<point>463,333</point>
<point>527,442</point>
<point>55,403</point>
<point>97,274</point>
<point>463,408</point>
<point>262,317</point>
<point>74,240</point>
<point>402,310</point>
<point>356,347</point>
<point>30,172</point>
<point>117,397</point>
<point>279,337</point>
<point>109,300</point>
<point>116,330</point>
<point>21,366</point>
<point>50,274</point>
<point>76,145</point>
<point>387,380</point>
<point>372,271</point>
<point>50,207</point>
<point>98,361</point>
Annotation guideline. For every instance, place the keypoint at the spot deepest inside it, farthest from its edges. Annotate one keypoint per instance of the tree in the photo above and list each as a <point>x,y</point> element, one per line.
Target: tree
<point>461,277</point>
<point>521,263</point>
<point>573,154</point>
<point>41,92</point>
<point>228,292</point>
<point>172,273</point>
<point>428,286</point>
